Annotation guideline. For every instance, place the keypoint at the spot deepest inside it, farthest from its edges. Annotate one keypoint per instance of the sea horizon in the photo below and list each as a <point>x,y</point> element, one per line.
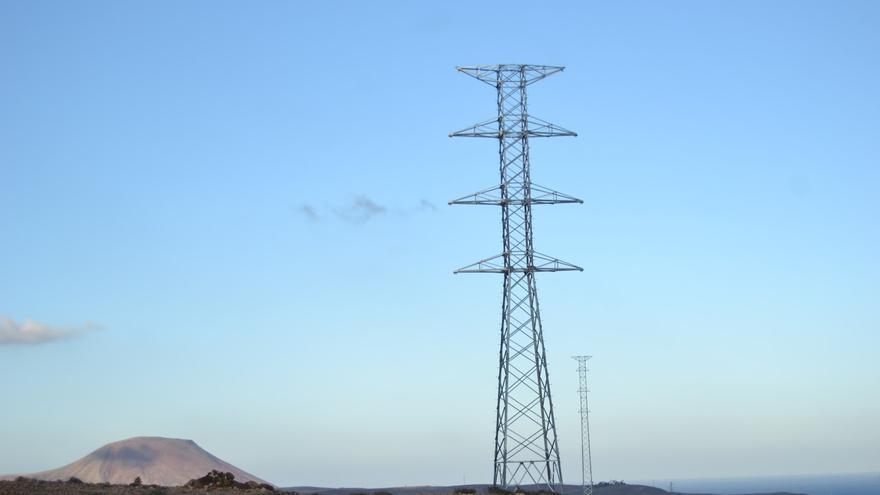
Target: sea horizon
<point>862,483</point>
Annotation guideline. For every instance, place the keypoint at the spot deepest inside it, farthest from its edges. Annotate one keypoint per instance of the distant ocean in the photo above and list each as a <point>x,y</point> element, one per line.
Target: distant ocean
<point>829,484</point>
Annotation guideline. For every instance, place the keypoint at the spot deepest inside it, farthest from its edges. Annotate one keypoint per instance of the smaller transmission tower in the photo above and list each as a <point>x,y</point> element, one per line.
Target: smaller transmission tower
<point>586,456</point>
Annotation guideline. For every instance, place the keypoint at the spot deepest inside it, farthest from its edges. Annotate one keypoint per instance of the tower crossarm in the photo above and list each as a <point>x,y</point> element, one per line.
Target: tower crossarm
<point>540,263</point>
<point>489,73</point>
<point>535,127</point>
<point>539,195</point>
<point>542,128</point>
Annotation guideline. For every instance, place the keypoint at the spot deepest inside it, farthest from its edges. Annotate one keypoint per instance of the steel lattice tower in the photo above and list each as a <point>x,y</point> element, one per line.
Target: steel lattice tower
<point>526,447</point>
<point>586,454</point>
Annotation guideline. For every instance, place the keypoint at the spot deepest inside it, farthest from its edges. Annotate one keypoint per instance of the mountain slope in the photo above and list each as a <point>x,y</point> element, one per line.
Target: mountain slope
<point>156,460</point>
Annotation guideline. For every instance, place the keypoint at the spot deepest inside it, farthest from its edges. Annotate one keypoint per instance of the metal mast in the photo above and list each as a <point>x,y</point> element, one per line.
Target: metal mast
<point>586,455</point>
<point>526,448</point>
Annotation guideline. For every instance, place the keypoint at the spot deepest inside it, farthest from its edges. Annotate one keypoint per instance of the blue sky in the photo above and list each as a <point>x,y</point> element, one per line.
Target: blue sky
<point>235,215</point>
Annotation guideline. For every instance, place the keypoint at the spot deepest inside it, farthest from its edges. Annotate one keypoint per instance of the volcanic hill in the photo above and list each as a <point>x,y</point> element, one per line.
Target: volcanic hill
<point>156,460</point>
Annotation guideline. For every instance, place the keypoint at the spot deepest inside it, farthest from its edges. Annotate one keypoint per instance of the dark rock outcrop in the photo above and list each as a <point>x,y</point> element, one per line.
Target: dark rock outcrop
<point>216,480</point>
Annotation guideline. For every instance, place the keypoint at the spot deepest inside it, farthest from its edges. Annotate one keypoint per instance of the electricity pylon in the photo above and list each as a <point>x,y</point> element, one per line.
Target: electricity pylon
<point>526,447</point>
<point>586,454</point>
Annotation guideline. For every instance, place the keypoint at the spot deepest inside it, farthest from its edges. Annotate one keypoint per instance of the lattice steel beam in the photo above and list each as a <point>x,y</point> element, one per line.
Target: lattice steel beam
<point>586,453</point>
<point>526,446</point>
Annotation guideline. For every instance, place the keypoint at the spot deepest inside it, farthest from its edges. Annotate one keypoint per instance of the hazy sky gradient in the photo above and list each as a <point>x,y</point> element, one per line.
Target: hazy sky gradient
<point>249,199</point>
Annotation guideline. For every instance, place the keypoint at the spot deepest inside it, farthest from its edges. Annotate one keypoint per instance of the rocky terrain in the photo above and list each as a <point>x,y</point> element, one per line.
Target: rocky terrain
<point>604,488</point>
<point>215,482</point>
<point>224,483</point>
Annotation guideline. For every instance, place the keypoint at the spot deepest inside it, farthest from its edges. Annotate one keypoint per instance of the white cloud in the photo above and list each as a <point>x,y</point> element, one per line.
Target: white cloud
<point>33,332</point>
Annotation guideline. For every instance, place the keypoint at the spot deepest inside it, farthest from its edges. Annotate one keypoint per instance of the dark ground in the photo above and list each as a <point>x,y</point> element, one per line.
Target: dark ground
<point>23,486</point>
<point>616,488</point>
<point>27,486</point>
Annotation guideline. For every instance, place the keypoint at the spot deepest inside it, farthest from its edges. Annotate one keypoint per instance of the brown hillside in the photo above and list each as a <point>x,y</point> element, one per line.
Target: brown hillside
<point>156,460</point>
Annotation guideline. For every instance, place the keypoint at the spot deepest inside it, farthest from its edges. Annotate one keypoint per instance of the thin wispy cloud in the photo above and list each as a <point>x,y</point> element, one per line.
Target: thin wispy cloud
<point>309,212</point>
<point>360,210</point>
<point>30,332</point>
<point>367,205</point>
<point>425,205</point>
